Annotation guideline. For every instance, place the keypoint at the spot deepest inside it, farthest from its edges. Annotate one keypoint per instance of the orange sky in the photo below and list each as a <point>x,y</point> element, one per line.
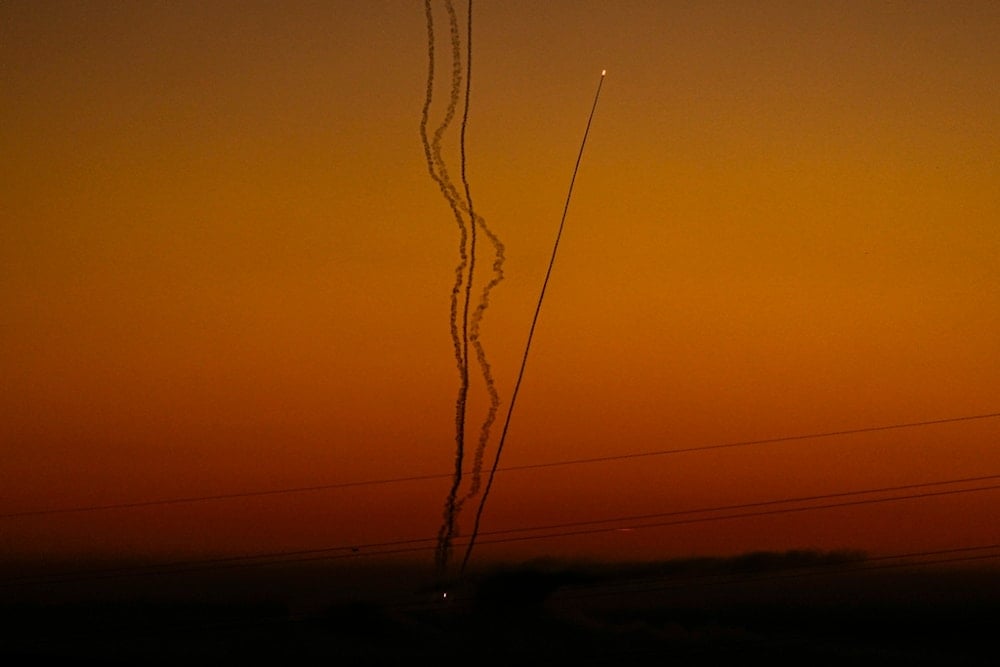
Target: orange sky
<point>224,267</point>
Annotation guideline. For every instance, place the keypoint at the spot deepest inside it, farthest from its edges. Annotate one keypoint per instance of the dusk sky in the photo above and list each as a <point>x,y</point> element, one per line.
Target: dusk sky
<point>224,268</point>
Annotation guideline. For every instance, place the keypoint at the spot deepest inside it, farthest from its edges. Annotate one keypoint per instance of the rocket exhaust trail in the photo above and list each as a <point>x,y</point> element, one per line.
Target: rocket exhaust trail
<point>452,504</point>
<point>469,330</point>
<point>468,333</point>
<point>494,397</point>
<point>531,332</point>
<point>484,300</point>
<point>439,173</point>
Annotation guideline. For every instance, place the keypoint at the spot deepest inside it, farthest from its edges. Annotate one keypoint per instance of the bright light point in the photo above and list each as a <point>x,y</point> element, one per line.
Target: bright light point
<point>444,596</point>
<point>603,72</point>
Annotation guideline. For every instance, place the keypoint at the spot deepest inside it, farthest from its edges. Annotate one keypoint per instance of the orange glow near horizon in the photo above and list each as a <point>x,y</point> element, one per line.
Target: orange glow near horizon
<point>224,268</point>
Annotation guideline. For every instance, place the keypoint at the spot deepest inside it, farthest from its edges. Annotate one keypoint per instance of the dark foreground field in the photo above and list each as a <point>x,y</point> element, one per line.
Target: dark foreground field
<point>784,609</point>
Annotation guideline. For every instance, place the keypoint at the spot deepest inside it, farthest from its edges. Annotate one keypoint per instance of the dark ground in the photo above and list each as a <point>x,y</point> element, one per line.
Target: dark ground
<point>784,609</point>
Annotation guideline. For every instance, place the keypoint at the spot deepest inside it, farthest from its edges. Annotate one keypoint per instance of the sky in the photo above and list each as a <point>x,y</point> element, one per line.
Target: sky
<point>225,268</point>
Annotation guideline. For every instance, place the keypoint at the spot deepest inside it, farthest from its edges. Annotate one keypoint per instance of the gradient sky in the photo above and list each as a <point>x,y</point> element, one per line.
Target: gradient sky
<point>224,268</point>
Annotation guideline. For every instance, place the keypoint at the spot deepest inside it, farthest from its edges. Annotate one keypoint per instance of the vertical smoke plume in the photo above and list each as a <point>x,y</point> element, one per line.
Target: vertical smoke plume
<point>439,173</point>
<point>456,505</point>
<point>469,331</point>
<point>494,397</point>
<point>498,249</point>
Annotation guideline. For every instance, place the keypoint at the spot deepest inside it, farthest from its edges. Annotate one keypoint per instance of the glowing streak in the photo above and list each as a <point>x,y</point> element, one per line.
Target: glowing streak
<point>531,333</point>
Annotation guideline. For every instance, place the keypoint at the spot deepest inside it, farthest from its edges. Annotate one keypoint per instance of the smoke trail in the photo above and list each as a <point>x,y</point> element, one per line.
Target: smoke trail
<point>451,508</point>
<point>465,178</point>
<point>439,173</point>
<point>531,332</point>
<point>484,300</point>
<point>456,506</point>
<point>477,316</point>
<point>472,331</point>
<point>467,251</point>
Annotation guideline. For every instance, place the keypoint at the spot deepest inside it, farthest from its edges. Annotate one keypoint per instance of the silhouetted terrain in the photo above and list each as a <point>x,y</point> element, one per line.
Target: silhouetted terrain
<point>792,608</point>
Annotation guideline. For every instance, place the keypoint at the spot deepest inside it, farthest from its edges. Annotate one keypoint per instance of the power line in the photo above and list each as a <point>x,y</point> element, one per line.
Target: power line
<point>223,496</point>
<point>764,503</point>
<point>749,443</point>
<point>527,466</point>
<point>745,515</point>
<point>401,546</point>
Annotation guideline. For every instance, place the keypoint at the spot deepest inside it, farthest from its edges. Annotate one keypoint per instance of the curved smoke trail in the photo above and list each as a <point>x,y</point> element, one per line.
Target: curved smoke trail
<point>494,396</point>
<point>484,300</point>
<point>439,173</point>
<point>456,505</point>
<point>464,273</point>
<point>472,330</point>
